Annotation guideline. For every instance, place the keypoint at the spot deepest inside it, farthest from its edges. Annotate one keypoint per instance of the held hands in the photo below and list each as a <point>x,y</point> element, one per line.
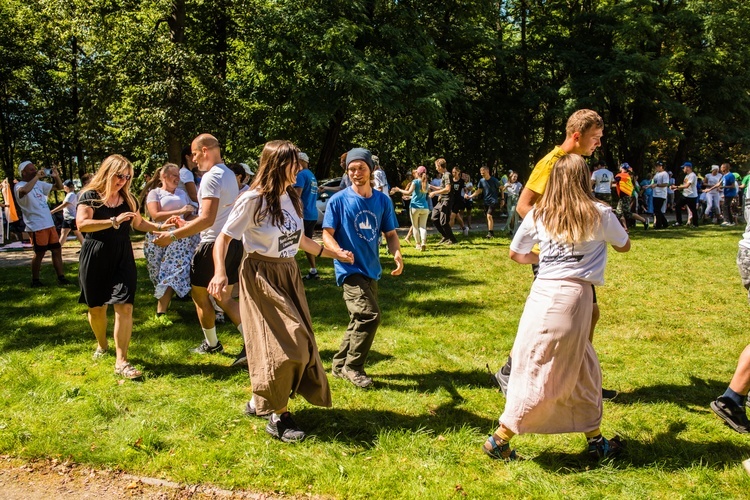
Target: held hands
<point>174,221</point>
<point>344,256</point>
<point>163,238</point>
<point>217,285</point>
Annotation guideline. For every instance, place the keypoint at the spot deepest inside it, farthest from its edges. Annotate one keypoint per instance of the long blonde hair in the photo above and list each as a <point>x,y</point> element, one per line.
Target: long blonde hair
<point>101,183</point>
<point>568,209</point>
<point>270,179</point>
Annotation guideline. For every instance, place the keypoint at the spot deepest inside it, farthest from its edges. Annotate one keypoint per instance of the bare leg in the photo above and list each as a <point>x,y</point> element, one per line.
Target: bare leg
<point>741,379</point>
<point>64,232</point>
<point>123,331</point>
<point>79,236</point>
<point>57,262</point>
<point>36,264</point>
<point>203,306</point>
<point>162,304</point>
<point>98,322</point>
<point>231,307</point>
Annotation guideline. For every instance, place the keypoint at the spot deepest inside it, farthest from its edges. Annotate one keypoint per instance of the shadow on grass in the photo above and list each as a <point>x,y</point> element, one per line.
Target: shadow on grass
<point>666,451</point>
<point>373,357</point>
<point>699,392</point>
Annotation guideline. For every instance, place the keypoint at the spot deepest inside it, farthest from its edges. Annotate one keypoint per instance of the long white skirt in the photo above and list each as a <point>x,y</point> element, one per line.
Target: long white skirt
<point>555,383</point>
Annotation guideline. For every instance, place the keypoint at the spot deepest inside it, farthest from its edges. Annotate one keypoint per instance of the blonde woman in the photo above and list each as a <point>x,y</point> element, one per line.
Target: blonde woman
<point>107,273</point>
<point>556,383</point>
<point>168,267</point>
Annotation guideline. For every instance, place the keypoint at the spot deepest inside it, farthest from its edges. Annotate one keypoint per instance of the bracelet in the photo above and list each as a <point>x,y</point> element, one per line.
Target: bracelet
<point>115,225</point>
<point>172,236</point>
<point>321,250</point>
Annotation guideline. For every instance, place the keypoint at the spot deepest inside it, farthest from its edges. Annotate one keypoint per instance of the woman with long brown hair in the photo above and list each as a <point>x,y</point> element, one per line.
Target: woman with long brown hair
<point>556,382</point>
<point>107,273</point>
<point>282,355</point>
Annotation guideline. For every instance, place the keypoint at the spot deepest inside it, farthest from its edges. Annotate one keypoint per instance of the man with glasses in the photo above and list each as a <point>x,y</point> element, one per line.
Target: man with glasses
<point>217,192</point>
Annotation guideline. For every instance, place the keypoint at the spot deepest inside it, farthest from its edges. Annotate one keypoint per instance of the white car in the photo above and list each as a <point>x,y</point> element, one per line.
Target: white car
<point>323,196</point>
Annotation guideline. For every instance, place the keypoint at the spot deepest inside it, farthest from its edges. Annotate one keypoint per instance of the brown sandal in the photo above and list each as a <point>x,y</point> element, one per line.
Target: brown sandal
<point>128,371</point>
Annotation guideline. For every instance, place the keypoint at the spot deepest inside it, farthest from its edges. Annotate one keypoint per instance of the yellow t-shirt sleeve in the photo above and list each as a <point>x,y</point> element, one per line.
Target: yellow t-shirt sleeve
<point>540,175</point>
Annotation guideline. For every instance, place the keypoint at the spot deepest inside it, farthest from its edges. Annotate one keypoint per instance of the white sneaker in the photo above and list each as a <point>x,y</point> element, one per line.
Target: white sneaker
<point>466,231</point>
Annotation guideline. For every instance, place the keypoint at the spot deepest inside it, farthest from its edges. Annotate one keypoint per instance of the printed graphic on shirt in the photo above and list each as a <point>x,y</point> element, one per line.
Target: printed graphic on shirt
<point>365,223</point>
<point>290,235</point>
<point>562,252</point>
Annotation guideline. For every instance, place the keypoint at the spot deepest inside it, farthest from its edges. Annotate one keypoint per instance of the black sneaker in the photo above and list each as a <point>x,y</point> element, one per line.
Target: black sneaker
<point>608,394</point>
<point>62,280</point>
<point>285,428</point>
<point>734,416</point>
<point>241,359</point>
<point>206,348</point>
<point>501,377</point>
<point>311,276</point>
<point>36,284</point>
<point>360,379</point>
<point>601,447</point>
<point>645,225</point>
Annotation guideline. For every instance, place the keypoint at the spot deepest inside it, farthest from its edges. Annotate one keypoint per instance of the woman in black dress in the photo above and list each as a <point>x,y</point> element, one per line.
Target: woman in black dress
<point>107,273</point>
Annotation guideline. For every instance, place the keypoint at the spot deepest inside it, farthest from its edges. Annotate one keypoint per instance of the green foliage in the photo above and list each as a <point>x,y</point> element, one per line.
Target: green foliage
<point>482,82</point>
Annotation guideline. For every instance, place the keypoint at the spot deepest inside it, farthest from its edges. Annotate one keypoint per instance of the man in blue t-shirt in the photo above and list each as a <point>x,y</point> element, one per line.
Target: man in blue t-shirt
<point>354,219</point>
<point>729,184</point>
<point>307,188</point>
<point>489,188</point>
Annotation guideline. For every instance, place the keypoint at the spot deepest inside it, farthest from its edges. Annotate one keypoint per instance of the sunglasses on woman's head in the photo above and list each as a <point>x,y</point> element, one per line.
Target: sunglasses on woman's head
<point>123,177</point>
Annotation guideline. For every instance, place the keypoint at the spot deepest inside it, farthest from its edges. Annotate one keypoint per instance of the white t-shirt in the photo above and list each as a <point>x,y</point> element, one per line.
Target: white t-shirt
<point>692,190</point>
<point>661,178</point>
<point>514,188</point>
<point>69,212</point>
<point>380,181</point>
<point>264,239</point>
<point>186,176</point>
<point>36,214</point>
<point>585,260</point>
<point>602,181</point>
<point>712,180</point>
<point>219,182</point>
<point>168,201</point>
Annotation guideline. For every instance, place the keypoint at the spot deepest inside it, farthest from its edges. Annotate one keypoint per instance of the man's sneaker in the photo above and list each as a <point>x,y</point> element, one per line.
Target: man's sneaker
<point>501,377</point>
<point>241,359</point>
<point>601,447</point>
<point>285,428</point>
<point>62,280</point>
<point>645,224</point>
<point>206,348</point>
<point>734,416</point>
<point>443,241</point>
<point>220,319</point>
<point>489,236</point>
<point>36,284</point>
<point>252,411</point>
<point>608,394</point>
<point>311,276</point>
<point>360,379</point>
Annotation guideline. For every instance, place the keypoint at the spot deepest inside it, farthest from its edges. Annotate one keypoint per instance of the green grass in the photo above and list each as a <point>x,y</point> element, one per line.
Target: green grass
<point>672,326</point>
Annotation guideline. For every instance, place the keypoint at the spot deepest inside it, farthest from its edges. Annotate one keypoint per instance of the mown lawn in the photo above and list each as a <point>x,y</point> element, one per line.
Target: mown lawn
<point>673,316</point>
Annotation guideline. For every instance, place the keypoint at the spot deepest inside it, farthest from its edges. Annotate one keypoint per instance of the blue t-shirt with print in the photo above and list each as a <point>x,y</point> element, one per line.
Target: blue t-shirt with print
<point>490,190</point>
<point>730,184</point>
<point>357,223</point>
<point>418,198</point>
<point>309,184</point>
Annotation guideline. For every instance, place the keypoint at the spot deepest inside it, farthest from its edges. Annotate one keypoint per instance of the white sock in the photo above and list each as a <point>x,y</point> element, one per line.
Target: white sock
<point>239,329</point>
<point>275,417</point>
<point>210,334</point>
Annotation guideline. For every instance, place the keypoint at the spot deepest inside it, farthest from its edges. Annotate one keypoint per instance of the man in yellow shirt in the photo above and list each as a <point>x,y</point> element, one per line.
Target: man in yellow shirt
<point>583,134</point>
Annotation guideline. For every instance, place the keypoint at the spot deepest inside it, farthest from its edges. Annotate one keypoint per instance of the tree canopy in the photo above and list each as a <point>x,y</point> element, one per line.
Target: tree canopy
<point>478,82</point>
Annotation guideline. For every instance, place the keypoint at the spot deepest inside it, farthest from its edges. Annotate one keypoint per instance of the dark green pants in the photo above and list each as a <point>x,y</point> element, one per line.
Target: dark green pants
<point>361,297</point>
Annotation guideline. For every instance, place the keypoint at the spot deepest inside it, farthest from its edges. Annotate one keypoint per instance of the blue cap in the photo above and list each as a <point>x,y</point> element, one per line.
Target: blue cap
<point>626,166</point>
<point>359,154</point>
<point>687,164</point>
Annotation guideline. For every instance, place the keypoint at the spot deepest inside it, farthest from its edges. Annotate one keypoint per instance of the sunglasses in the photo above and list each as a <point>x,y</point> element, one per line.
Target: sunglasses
<point>124,177</point>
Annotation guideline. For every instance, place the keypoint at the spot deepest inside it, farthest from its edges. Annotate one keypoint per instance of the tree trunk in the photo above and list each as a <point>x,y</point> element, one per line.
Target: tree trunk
<point>176,22</point>
<point>76,107</point>
<point>328,152</point>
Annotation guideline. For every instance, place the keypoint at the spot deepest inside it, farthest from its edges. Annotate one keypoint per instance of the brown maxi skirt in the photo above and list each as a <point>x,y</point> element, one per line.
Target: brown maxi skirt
<point>555,384</point>
<point>282,356</point>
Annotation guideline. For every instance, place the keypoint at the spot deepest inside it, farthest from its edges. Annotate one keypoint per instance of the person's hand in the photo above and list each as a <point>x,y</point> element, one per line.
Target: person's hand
<point>125,216</point>
<point>188,210</point>
<point>344,256</point>
<point>217,285</point>
<point>175,221</point>
<point>40,174</point>
<point>394,191</point>
<point>399,260</point>
<point>162,239</point>
<point>54,173</point>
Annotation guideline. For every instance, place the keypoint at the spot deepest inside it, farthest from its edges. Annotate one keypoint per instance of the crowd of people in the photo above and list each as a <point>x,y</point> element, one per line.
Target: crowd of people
<point>234,228</point>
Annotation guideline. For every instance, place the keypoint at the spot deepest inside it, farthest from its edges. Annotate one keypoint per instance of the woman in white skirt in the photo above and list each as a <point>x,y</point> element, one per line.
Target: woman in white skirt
<point>282,355</point>
<point>556,384</point>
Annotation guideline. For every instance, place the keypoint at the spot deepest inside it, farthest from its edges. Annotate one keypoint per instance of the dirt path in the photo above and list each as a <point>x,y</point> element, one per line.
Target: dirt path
<point>14,257</point>
<point>62,480</point>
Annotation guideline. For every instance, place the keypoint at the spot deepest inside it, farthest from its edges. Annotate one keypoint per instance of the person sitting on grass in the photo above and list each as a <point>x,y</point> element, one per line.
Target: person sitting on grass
<point>730,406</point>
<point>556,382</point>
